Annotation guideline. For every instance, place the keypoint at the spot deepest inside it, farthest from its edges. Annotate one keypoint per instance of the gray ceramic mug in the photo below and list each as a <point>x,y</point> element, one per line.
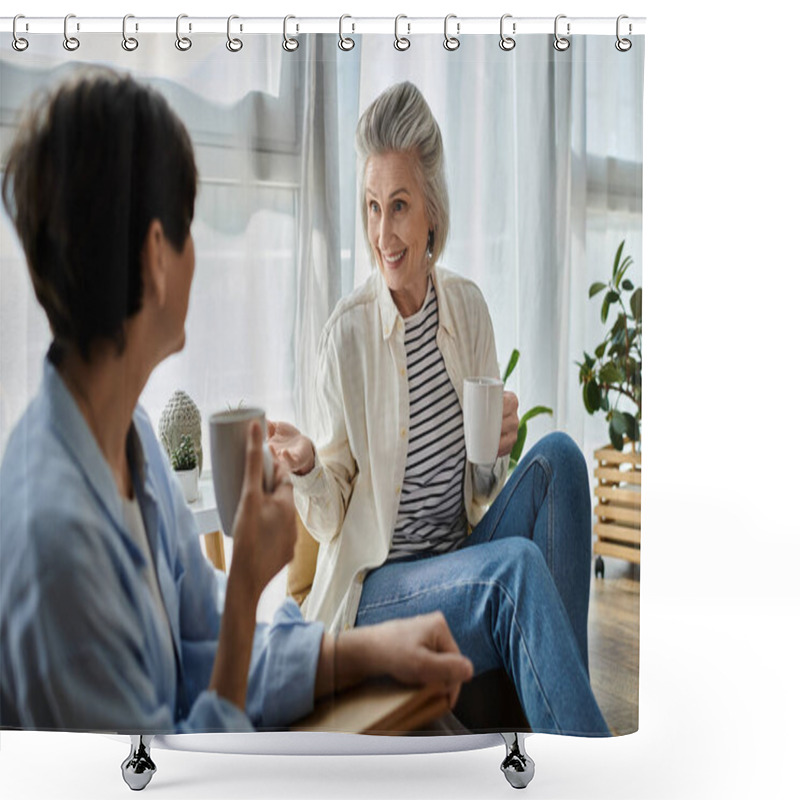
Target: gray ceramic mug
<point>228,433</point>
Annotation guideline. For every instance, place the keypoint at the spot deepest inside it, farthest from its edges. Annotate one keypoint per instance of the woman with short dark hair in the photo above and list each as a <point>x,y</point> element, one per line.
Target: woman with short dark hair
<point>110,616</point>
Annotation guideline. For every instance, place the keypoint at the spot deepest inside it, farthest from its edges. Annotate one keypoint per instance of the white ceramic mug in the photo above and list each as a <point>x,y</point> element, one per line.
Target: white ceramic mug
<point>483,418</point>
<point>228,432</point>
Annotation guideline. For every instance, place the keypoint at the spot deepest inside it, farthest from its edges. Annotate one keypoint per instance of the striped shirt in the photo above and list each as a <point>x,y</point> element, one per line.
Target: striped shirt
<point>431,517</point>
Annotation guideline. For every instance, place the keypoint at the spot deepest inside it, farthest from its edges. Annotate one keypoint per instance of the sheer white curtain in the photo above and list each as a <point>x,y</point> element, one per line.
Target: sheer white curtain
<point>266,221</point>
<point>543,154</point>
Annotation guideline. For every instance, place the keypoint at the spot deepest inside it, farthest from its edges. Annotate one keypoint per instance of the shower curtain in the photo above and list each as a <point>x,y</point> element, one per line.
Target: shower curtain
<point>543,162</point>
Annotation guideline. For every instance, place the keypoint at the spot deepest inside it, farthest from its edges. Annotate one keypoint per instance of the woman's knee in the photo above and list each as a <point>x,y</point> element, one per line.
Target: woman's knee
<point>561,453</point>
<point>514,560</point>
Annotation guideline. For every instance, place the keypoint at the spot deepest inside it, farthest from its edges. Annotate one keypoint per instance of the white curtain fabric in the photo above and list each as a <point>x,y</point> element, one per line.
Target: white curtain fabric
<point>543,157</point>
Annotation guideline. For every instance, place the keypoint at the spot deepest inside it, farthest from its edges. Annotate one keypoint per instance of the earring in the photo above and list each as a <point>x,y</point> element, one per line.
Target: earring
<point>429,251</point>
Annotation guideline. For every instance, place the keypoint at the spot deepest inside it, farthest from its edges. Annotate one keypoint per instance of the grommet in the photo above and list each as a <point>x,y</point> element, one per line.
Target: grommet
<point>129,43</point>
<point>507,42</point>
<point>71,43</point>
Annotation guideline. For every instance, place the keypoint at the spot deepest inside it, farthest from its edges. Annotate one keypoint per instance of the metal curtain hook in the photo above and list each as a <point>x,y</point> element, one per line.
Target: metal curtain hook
<point>71,43</point>
<point>183,43</point>
<point>128,42</point>
<point>234,45</point>
<point>507,42</point>
<point>451,42</point>
<point>400,42</point>
<point>289,43</point>
<point>623,45</point>
<point>18,43</point>
<point>560,43</point>
<point>345,43</point>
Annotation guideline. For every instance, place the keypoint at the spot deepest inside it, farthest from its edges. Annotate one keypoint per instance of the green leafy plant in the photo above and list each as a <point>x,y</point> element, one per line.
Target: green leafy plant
<point>615,371</point>
<point>522,431</point>
<point>184,457</point>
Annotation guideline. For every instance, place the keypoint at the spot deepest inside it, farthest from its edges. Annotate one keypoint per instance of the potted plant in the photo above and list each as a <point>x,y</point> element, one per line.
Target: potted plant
<point>522,430</point>
<point>184,462</point>
<point>612,384</point>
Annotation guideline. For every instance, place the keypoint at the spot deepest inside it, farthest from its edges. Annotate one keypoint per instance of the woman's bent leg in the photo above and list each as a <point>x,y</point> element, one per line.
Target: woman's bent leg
<point>547,500</point>
<point>504,611</point>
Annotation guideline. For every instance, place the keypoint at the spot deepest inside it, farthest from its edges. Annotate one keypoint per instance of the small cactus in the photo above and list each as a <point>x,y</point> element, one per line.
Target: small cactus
<point>181,417</point>
<point>184,458</point>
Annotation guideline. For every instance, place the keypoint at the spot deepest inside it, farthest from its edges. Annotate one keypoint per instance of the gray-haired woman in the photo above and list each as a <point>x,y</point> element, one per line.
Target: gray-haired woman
<point>385,486</point>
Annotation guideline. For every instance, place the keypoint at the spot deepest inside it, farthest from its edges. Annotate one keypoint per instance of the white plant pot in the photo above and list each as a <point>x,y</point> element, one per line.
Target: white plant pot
<point>188,481</point>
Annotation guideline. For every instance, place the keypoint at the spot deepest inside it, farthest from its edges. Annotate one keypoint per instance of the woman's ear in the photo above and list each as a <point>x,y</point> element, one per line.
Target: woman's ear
<point>154,264</point>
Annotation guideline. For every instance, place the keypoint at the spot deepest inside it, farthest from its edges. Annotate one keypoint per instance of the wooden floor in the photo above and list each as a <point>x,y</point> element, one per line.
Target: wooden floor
<point>614,644</point>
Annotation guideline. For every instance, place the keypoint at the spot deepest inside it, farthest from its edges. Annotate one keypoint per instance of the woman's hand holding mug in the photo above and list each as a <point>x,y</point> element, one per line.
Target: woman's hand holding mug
<point>265,528</point>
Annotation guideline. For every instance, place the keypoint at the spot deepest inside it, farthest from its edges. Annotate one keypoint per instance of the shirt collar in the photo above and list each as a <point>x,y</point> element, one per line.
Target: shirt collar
<point>71,427</point>
<point>390,315</point>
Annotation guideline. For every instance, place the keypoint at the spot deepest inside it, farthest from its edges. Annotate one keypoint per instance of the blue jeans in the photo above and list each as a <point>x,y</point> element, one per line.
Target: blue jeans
<point>516,593</point>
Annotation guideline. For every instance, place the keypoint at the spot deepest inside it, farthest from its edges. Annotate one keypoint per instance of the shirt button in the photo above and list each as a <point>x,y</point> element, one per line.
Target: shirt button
<point>403,432</point>
<point>397,489</point>
<point>386,331</point>
<point>402,371</point>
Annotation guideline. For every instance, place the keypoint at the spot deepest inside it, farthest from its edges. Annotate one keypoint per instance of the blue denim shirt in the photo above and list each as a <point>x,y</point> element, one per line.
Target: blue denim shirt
<point>79,648</point>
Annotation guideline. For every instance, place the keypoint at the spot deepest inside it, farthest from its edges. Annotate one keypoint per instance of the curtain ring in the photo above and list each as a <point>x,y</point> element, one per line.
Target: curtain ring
<point>183,43</point>
<point>451,42</point>
<point>290,44</point>
<point>560,43</point>
<point>234,45</point>
<point>623,45</point>
<point>128,42</point>
<point>507,42</point>
<point>345,43</point>
<point>18,43</point>
<point>71,43</point>
<point>400,42</point>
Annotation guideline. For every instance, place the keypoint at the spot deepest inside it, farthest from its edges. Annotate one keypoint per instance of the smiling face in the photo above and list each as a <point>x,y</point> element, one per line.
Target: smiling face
<point>398,227</point>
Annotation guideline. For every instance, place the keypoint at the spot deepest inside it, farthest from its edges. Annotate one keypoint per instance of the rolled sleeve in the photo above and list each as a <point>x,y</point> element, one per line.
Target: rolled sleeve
<point>212,714</point>
<point>284,670</point>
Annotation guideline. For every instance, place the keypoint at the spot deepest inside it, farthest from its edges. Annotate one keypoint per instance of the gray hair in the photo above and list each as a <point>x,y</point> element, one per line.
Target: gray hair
<point>399,120</point>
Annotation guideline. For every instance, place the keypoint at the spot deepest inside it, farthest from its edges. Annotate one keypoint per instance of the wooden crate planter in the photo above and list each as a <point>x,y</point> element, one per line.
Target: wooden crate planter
<point>618,506</point>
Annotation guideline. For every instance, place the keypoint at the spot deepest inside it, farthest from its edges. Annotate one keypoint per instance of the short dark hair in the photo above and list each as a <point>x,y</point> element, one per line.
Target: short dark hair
<point>93,163</point>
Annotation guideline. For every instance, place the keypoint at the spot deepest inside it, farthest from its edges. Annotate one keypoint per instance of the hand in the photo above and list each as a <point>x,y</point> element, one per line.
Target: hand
<point>290,447</point>
<point>421,650</point>
<point>508,432</point>
<point>264,527</point>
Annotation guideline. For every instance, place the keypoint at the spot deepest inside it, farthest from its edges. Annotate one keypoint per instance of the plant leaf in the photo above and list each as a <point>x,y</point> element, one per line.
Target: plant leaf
<point>534,412</point>
<point>604,309</point>
<point>616,438</point>
<point>610,373</point>
<point>512,362</point>
<point>596,288</point>
<point>591,396</point>
<point>616,259</point>
<point>618,422</point>
<point>601,350</point>
<point>636,304</point>
<point>516,450</point>
<point>627,285</point>
<point>631,426</point>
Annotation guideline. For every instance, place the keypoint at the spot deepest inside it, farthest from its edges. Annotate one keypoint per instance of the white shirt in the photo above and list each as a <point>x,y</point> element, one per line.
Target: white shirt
<point>349,500</point>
